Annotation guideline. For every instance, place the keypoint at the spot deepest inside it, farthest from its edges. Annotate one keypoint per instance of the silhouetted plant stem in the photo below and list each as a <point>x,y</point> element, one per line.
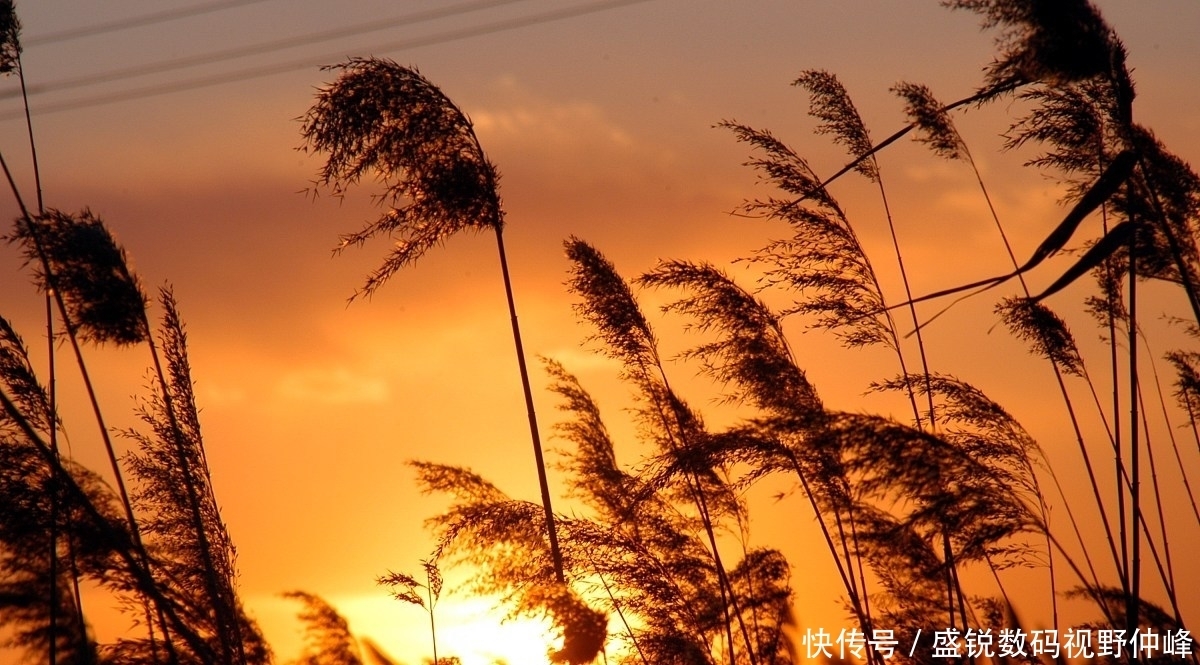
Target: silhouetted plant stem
<point>1169,583</point>
<point>1133,607</point>
<point>1158,558</point>
<point>432,625</point>
<point>1162,402</point>
<point>543,483</point>
<point>1193,425</point>
<point>612,598</point>
<point>128,553</point>
<point>697,492</point>
<point>72,337</point>
<point>227,624</point>
<point>728,597</point>
<point>51,397</point>
<point>37,173</point>
<point>847,577</point>
<point>1095,579</point>
<point>1091,590</point>
<point>1058,375</point>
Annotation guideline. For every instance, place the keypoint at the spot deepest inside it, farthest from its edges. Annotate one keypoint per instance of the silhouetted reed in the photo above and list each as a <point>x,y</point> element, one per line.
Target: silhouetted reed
<point>382,119</point>
<point>608,304</point>
<point>404,587</point>
<point>327,637</point>
<point>181,518</point>
<point>902,507</point>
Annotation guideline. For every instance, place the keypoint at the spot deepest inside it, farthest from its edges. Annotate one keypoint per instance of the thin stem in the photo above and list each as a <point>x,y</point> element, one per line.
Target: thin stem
<point>37,172</point>
<point>543,484</point>
<point>432,627</point>
<point>228,630</point>
<point>133,558</point>
<point>1042,507</point>
<point>612,598</point>
<point>53,425</point>
<point>1162,518</point>
<point>1162,402</point>
<point>728,597</point>
<point>1134,428</point>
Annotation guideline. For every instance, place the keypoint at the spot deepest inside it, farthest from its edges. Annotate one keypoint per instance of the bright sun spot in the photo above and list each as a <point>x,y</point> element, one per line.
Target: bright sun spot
<point>470,628</point>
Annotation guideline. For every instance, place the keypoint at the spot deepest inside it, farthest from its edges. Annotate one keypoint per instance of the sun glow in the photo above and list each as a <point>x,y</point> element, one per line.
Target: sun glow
<point>472,629</point>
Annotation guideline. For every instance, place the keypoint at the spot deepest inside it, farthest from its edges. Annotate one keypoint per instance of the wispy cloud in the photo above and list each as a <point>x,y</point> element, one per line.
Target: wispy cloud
<point>332,385</point>
<point>554,125</point>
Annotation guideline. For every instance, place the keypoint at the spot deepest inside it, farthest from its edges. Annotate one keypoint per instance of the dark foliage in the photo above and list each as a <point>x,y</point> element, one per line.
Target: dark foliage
<point>1058,42</point>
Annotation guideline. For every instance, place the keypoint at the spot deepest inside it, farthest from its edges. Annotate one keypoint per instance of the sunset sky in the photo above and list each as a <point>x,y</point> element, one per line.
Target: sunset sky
<point>600,118</point>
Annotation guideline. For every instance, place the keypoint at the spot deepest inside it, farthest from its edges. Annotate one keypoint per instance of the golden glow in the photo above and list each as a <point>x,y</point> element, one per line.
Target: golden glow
<point>601,128</point>
<point>470,628</point>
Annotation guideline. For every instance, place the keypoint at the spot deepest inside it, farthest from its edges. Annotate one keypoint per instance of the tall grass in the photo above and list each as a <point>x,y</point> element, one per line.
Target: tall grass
<point>903,508</point>
<point>382,119</point>
<point>907,511</point>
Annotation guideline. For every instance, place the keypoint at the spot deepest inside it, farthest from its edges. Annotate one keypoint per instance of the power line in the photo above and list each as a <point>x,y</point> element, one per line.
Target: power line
<point>294,65</point>
<point>256,49</point>
<point>135,22</point>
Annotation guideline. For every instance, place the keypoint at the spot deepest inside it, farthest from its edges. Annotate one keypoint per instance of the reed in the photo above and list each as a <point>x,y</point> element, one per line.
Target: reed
<point>383,119</point>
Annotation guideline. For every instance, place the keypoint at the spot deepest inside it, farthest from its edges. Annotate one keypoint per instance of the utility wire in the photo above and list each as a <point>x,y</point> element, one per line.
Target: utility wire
<point>256,49</point>
<point>135,22</point>
<point>294,65</point>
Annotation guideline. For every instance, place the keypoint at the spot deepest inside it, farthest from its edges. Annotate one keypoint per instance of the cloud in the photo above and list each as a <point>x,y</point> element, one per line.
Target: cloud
<point>335,385</point>
<point>563,125</point>
<point>518,117</point>
<point>220,394</point>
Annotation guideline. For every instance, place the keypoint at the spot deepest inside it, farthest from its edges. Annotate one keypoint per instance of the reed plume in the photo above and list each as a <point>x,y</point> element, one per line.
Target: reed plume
<point>404,587</point>
<point>192,550</point>
<point>388,120</point>
<point>503,538</point>
<point>823,262</point>
<point>77,257</point>
<point>608,304</point>
<point>327,636</point>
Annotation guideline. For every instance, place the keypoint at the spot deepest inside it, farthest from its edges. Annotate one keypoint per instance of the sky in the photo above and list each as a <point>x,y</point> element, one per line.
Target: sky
<point>183,136</point>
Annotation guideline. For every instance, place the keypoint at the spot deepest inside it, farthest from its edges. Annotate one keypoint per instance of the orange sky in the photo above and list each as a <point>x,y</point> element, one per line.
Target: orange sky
<point>601,125</point>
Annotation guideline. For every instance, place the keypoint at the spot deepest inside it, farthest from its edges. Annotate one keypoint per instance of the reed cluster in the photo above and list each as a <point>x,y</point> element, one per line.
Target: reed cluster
<point>657,564</point>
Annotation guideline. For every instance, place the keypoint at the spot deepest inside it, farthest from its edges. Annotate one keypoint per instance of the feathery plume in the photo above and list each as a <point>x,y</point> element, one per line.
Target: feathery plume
<point>1036,324</point>
<point>10,38</point>
<point>823,261</point>
<point>327,636</point>
<point>934,126</point>
<point>84,263</point>
<point>751,350</point>
<point>831,105</point>
<point>387,120</point>
<point>18,380</point>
